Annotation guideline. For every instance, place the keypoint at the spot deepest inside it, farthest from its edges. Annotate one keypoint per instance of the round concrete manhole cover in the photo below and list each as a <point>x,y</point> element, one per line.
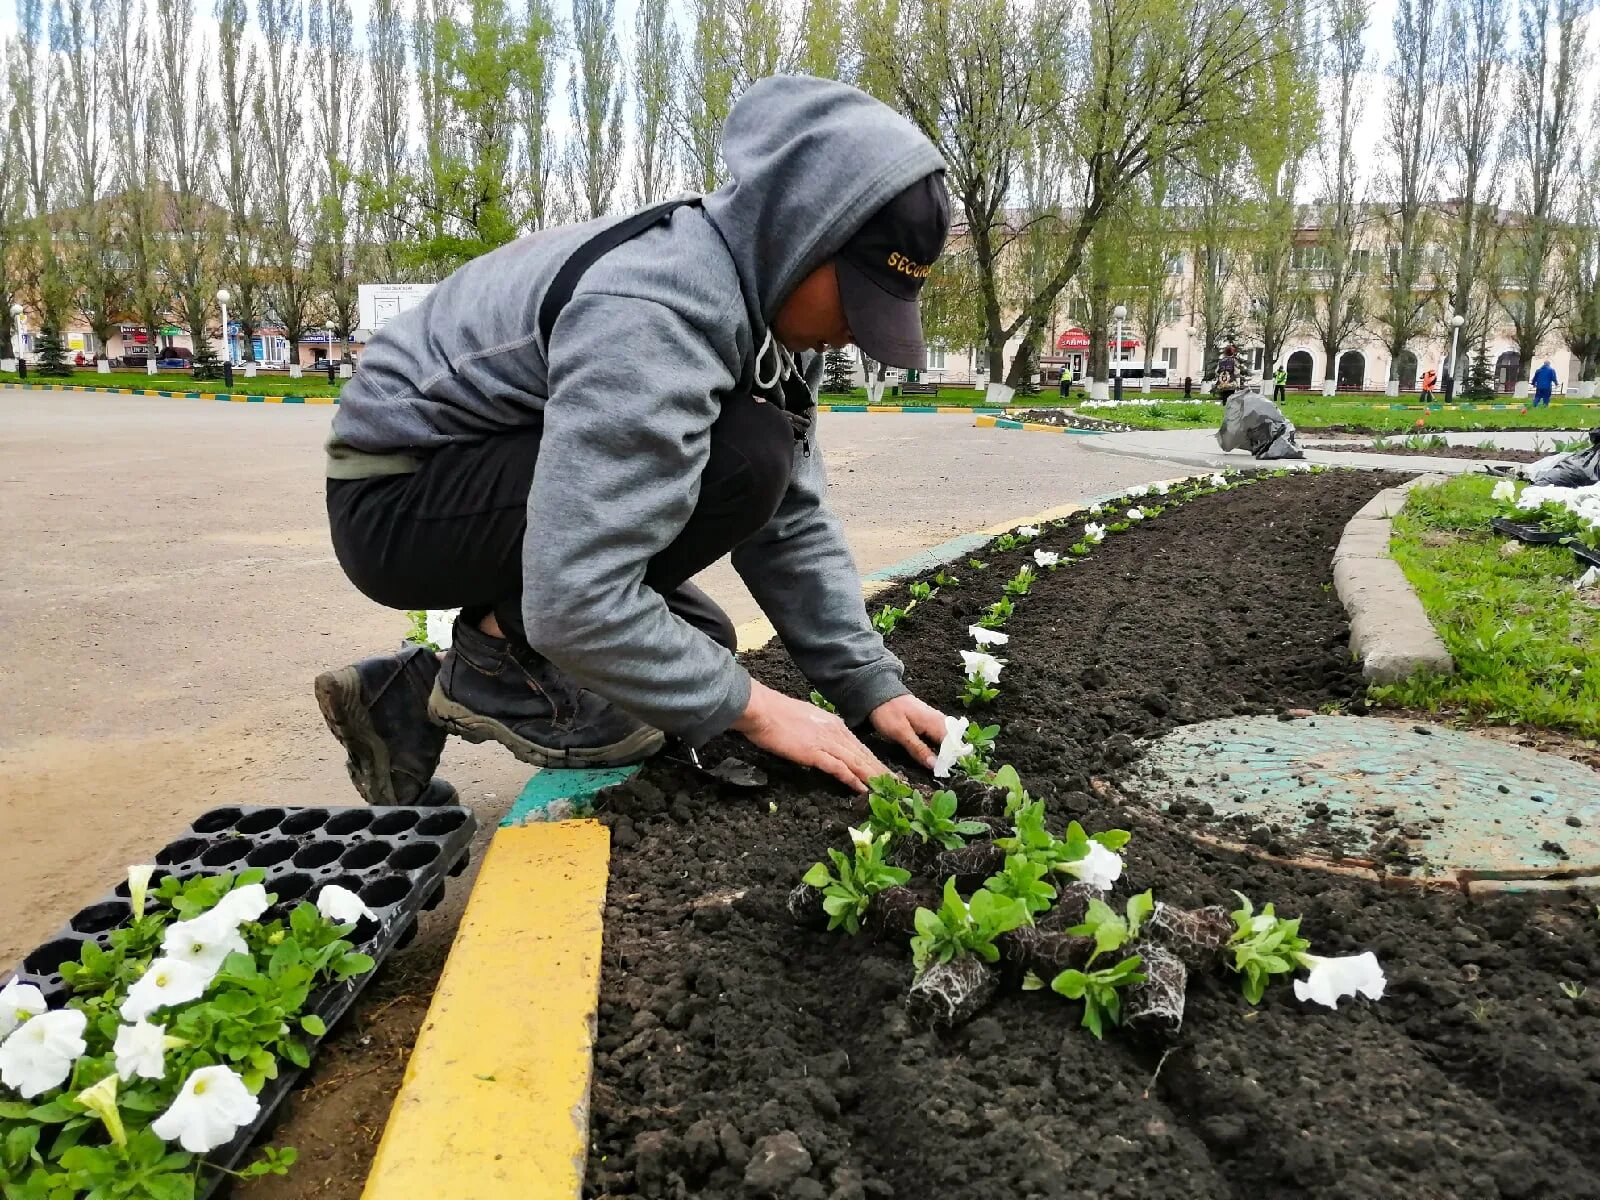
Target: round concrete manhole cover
<point>1408,799</point>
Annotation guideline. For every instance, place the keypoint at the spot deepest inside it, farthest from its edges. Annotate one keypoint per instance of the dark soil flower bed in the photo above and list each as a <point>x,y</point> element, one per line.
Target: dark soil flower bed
<point>739,1055</point>
<point>1467,452</point>
<point>1069,420</point>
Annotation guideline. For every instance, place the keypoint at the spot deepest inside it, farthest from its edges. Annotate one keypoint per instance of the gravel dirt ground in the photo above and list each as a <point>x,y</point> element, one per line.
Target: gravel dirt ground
<point>169,593</point>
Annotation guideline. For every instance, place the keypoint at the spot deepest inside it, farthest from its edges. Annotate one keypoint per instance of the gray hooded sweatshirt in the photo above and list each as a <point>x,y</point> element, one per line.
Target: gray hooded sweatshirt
<point>656,336</point>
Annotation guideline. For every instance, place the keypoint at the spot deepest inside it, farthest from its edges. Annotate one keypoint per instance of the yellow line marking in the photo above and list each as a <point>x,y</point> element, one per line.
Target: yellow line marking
<point>495,1101</point>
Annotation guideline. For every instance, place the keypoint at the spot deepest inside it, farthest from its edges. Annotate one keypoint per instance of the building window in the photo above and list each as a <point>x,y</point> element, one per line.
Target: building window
<point>935,358</point>
<point>1255,360</point>
<point>1169,355</point>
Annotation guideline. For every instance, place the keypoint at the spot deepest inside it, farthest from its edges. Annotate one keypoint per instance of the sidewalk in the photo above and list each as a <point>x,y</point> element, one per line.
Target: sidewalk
<point>1198,448</point>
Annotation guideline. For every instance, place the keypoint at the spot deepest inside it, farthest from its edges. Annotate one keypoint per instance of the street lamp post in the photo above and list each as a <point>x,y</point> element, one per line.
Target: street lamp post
<point>22,363</point>
<point>1119,312</point>
<point>1456,321</point>
<point>223,296</point>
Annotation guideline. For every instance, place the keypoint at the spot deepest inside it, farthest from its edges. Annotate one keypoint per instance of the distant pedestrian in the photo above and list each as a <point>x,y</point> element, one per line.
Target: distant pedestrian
<point>1428,380</point>
<point>1544,382</point>
<point>1227,373</point>
<point>1066,382</point>
<point>1188,387</point>
<point>1280,382</point>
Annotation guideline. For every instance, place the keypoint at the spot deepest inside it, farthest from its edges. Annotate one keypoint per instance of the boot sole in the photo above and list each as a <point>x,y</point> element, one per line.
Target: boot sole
<point>367,755</point>
<point>474,727</point>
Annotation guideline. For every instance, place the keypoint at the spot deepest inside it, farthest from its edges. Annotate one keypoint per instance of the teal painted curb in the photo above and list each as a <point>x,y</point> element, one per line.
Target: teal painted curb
<point>554,794</point>
<point>1013,423</point>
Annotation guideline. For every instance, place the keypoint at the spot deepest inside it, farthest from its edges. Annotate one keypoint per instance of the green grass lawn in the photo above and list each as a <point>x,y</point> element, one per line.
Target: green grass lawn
<point>311,384</point>
<point>1373,413</point>
<point>1526,644</point>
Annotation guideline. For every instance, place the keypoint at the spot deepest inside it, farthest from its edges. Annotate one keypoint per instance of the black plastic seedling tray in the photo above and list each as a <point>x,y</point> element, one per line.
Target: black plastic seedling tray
<point>395,859</point>
<point>1530,532</point>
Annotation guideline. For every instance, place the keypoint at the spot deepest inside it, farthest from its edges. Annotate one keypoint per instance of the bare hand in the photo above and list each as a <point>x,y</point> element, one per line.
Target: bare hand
<point>907,721</point>
<point>805,734</point>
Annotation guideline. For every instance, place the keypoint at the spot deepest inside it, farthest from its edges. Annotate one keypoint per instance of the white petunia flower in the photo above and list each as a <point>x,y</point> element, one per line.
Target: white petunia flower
<point>342,906</point>
<point>1589,579</point>
<point>1046,559</point>
<point>1218,481</point>
<point>988,637</point>
<point>1137,490</point>
<point>1100,868</point>
<point>1028,531</point>
<point>441,626</point>
<point>139,886</point>
<point>1095,510</point>
<point>1504,490</point>
<point>953,747</point>
<point>166,982</point>
<point>141,1049</point>
<point>982,666</point>
<point>204,941</point>
<point>18,1002</point>
<point>860,836</point>
<point>1160,489</point>
<point>1094,532</point>
<point>39,1055</point>
<point>1332,979</point>
<point>1136,514</point>
<point>241,904</point>
<point>213,1106</point>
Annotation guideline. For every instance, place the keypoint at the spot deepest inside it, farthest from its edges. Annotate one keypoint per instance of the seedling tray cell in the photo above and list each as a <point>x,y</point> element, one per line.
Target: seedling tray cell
<point>1526,531</point>
<point>396,859</point>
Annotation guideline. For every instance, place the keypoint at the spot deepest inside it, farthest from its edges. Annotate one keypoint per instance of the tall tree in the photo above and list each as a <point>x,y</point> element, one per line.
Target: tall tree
<point>533,87</point>
<point>13,212</point>
<point>337,226</point>
<point>385,144</point>
<point>820,51</point>
<point>1473,115</point>
<point>1152,79</point>
<point>1411,271</point>
<point>30,77</point>
<point>761,45</point>
<point>185,152</point>
<point>1277,150</point>
<point>286,273</point>
<point>1546,77</point>
<point>1217,222</point>
<point>595,94</point>
<point>238,148</point>
<point>84,229</point>
<point>1582,267</point>
<point>135,130</point>
<point>705,95</point>
<point>1339,263</point>
<point>656,49</point>
<point>1152,246</point>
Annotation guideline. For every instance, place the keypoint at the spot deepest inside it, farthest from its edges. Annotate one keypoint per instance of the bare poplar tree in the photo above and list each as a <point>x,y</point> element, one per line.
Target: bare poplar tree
<point>286,273</point>
<point>1581,261</point>
<point>1339,266</point>
<point>534,86</point>
<point>31,80</point>
<point>386,143</point>
<point>1411,273</point>
<point>238,149</point>
<point>1545,80</point>
<point>822,39</point>
<point>759,41</point>
<point>135,129</point>
<point>13,212</point>
<point>1473,115</point>
<point>337,228</point>
<point>595,94</point>
<point>84,224</point>
<point>656,49</point>
<point>1216,228</point>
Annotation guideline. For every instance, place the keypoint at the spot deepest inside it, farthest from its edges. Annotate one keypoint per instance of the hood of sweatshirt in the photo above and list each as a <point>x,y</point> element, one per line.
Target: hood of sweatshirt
<point>810,160</point>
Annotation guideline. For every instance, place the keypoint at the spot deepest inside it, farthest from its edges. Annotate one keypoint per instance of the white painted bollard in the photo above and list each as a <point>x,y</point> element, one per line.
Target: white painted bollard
<point>102,367</point>
<point>8,364</point>
<point>1099,389</point>
<point>150,366</point>
<point>1524,389</point>
<point>250,370</point>
<point>1330,387</point>
<point>1391,388</point>
<point>296,371</point>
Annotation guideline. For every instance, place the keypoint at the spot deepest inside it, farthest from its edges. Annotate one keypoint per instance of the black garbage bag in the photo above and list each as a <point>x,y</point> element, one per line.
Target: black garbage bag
<point>1577,468</point>
<point>1252,422</point>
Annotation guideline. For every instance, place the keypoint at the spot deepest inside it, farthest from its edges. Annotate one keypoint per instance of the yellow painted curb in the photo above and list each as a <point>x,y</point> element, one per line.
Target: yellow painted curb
<point>983,422</point>
<point>495,1101</point>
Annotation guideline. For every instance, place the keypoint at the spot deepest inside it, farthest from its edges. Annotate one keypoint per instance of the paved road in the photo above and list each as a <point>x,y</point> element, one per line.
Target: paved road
<point>169,592</point>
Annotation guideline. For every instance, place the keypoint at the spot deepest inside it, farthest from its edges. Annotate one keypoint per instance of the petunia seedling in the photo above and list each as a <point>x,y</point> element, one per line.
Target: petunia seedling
<point>944,579</point>
<point>921,591</point>
<point>1090,858</point>
<point>1021,582</point>
<point>1046,559</point>
<point>1094,532</point>
<point>1017,797</point>
<point>1135,514</point>
<point>981,738</point>
<point>848,889</point>
<point>1100,991</point>
<point>933,820</point>
<point>964,927</point>
<point>822,702</point>
<point>1263,945</point>
<point>999,613</point>
<point>1023,880</point>
<point>977,565</point>
<point>983,673</point>
<point>1110,929</point>
<point>886,805</point>
<point>987,637</point>
<point>887,618</point>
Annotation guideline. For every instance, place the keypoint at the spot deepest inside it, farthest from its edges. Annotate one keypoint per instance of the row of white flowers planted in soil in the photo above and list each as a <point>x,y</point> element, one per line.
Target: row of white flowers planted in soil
<point>1039,900</point>
<point>170,1033</point>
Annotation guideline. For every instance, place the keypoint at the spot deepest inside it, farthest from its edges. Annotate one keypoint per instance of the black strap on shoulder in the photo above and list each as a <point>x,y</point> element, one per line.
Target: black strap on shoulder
<point>597,247</point>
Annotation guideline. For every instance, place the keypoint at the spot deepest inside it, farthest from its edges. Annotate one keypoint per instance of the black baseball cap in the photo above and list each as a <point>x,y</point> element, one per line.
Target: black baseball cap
<point>882,269</point>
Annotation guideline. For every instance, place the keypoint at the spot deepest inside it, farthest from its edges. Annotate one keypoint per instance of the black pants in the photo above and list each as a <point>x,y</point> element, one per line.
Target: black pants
<point>450,535</point>
<point>1277,393</point>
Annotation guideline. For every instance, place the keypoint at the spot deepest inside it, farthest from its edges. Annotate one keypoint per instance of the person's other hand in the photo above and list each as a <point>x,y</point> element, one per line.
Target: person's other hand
<point>803,733</point>
<point>907,721</point>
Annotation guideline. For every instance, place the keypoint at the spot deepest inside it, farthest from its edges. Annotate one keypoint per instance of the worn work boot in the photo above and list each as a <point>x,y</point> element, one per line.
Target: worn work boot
<point>489,690</point>
<point>378,709</point>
